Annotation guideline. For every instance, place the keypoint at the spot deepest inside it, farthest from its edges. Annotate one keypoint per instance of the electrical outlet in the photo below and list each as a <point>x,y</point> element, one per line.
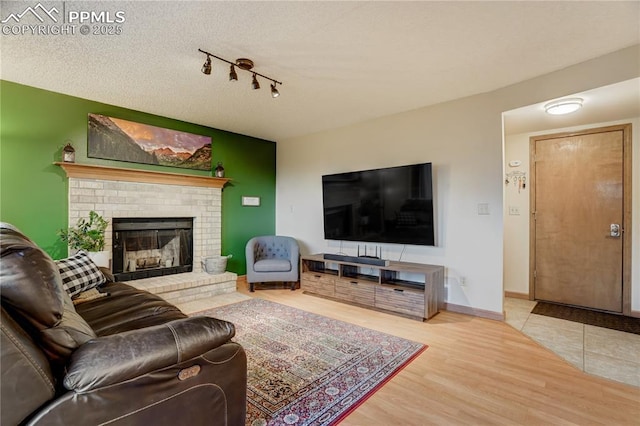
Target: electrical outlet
<point>483,208</point>
<point>514,210</point>
<point>463,281</point>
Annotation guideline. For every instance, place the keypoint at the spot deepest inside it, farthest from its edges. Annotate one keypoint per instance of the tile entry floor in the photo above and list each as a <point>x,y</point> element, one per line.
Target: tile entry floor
<point>595,350</point>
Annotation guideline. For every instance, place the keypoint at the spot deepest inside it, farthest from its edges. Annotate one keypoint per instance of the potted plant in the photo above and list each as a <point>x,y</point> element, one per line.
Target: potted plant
<point>88,235</point>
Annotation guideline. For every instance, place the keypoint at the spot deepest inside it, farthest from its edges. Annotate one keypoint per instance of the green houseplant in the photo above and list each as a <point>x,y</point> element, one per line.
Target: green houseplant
<point>88,235</point>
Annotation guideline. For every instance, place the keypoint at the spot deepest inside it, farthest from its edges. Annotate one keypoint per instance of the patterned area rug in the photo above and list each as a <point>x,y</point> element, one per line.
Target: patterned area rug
<point>306,369</point>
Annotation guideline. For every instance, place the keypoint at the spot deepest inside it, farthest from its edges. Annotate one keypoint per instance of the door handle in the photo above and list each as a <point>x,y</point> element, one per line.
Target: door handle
<point>615,230</point>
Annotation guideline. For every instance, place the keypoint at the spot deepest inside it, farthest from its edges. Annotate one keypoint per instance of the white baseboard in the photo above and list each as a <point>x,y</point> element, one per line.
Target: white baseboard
<point>467,310</point>
<point>516,295</point>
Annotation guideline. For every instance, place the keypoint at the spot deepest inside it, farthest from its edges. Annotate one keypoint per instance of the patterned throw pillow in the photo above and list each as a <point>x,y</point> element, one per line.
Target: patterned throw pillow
<point>79,273</point>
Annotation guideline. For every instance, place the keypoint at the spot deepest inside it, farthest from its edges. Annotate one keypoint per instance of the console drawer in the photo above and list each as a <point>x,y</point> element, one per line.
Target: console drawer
<point>318,283</point>
<point>401,300</point>
<point>356,291</point>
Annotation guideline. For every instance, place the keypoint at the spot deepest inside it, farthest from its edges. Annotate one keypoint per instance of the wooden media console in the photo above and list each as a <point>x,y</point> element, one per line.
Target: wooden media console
<point>413,290</point>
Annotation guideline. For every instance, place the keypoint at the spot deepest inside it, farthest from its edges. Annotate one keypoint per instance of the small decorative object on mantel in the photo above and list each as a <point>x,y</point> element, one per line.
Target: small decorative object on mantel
<point>219,171</point>
<point>68,153</point>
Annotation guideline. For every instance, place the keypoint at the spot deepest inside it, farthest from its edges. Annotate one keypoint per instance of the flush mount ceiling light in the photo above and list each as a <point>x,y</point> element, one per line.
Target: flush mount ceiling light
<point>243,64</point>
<point>563,106</point>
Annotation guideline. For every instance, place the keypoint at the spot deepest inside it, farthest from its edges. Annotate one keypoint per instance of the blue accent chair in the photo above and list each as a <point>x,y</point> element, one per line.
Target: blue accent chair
<point>272,258</point>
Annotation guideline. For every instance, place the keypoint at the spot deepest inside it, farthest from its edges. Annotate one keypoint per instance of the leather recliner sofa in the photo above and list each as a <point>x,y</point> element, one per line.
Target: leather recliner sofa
<point>129,358</point>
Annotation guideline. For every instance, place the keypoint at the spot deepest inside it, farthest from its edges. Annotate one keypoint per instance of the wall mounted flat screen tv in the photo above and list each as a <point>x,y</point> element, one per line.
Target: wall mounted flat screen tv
<point>389,205</point>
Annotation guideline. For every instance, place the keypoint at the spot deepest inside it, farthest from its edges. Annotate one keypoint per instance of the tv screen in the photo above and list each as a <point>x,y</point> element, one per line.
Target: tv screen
<point>390,205</point>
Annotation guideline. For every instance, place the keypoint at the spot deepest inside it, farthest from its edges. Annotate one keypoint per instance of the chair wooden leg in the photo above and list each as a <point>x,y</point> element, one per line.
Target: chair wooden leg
<point>293,285</point>
<point>251,289</point>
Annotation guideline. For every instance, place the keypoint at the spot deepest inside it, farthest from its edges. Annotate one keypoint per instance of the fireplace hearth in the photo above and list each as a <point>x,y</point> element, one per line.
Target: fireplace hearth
<point>151,247</point>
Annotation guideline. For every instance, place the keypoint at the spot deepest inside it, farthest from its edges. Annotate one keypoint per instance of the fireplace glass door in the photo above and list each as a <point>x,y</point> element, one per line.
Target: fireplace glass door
<point>151,247</point>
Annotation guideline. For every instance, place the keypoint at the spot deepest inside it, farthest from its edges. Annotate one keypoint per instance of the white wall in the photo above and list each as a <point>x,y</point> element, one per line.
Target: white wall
<point>463,140</point>
<point>516,228</point>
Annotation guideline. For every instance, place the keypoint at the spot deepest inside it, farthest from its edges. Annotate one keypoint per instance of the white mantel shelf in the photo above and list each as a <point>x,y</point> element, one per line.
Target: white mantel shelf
<point>89,171</point>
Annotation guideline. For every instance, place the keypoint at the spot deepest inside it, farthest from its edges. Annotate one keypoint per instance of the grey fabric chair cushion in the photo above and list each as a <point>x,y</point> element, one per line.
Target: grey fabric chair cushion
<point>272,265</point>
<point>270,249</point>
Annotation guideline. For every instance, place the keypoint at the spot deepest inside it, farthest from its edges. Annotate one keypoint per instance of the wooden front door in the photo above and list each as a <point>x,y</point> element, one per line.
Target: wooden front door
<point>578,202</point>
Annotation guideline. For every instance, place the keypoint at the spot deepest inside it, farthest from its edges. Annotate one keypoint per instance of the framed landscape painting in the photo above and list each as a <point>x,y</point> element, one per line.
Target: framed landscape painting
<point>121,140</point>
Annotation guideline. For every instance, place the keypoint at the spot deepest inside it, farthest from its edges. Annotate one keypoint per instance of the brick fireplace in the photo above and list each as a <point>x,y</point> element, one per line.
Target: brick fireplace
<point>128,193</point>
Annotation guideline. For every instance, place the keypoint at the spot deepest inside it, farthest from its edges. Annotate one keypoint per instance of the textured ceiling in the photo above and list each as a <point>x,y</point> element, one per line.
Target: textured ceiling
<point>340,62</point>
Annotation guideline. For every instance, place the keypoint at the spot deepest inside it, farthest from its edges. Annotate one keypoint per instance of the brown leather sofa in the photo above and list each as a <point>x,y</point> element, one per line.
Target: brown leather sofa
<point>129,358</point>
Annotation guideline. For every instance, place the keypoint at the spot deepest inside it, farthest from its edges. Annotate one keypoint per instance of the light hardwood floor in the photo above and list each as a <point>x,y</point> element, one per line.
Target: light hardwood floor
<point>475,372</point>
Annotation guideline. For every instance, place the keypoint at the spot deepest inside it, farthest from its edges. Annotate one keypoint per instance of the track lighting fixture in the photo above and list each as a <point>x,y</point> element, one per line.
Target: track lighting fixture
<point>244,64</point>
<point>206,68</point>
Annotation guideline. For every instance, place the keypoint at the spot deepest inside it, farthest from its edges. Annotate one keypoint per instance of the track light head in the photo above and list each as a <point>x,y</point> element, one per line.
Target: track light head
<point>255,83</point>
<point>206,68</point>
<point>233,76</point>
<point>274,91</point>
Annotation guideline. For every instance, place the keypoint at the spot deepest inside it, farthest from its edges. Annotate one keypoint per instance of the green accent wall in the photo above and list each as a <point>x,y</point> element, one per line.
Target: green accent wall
<point>35,125</point>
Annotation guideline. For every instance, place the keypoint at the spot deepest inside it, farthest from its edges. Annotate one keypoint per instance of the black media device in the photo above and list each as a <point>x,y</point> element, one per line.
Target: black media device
<point>365,260</point>
<point>389,205</point>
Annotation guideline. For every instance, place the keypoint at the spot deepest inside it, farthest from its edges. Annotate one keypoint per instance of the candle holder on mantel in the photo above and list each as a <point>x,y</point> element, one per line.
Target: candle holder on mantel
<point>68,153</point>
<point>219,171</point>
